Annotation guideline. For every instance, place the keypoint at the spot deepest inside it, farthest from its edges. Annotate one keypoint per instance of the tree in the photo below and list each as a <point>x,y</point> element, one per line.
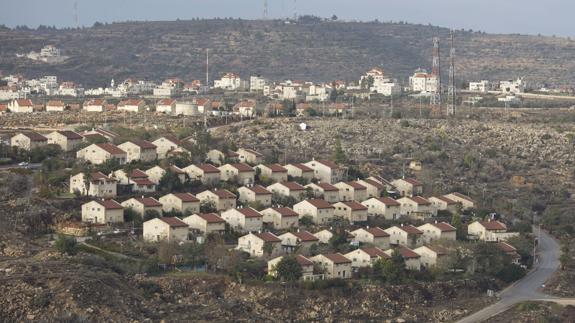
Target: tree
<point>170,182</point>
<point>151,214</point>
<point>208,206</point>
<point>288,269</point>
<point>460,228</point>
<point>66,244</point>
<point>338,153</point>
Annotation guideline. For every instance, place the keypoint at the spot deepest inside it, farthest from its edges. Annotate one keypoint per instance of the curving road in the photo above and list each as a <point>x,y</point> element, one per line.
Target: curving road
<point>527,288</point>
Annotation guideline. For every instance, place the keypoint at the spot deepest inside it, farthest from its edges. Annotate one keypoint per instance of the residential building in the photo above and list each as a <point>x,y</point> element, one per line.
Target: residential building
<point>325,191</point>
<point>305,263</point>
<point>165,229</point>
<point>107,134</point>
<point>335,265</point>
<point>387,207</point>
<point>125,178</point>
<point>432,256</point>
<point>483,86</point>
<point>100,153</point>
<point>324,236</point>
<point>490,231</point>
<point>139,150</point>
<point>351,191</point>
<point>423,82</point>
<point>55,106</point>
<point>99,185</point>
<point>206,173</point>
<point>21,106</point>
<point>142,205</point>
<point>512,86</point>
<point>167,106</point>
<point>374,188</point>
<point>437,231</point>
<point>102,212</point>
<point>326,171</point>
<point>256,194</point>
<point>265,244</point>
<point>257,83</point>
<point>95,105</point>
<point>280,217</point>
<point>288,189</point>
<point>320,211</point>
<point>132,105</point>
<point>408,186</point>
<point>229,81</point>
<point>365,257</point>
<point>405,235</point>
<point>374,236</point>
<point>239,173</point>
<point>511,251</point>
<point>353,211</point>
<point>219,158</point>
<point>299,241</point>
<point>274,172</point>
<point>206,223</point>
<point>28,140</point>
<point>66,139</point>
<point>388,186</point>
<point>444,204</point>
<point>167,145</point>
<point>417,207</point>
<point>222,199</point>
<point>244,219</point>
<point>184,203</point>
<point>411,258</point>
<point>300,171</point>
<point>249,156</point>
<point>466,201</point>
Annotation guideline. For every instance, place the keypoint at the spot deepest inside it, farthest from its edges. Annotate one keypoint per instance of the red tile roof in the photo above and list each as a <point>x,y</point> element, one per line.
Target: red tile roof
<point>268,237</point>
<point>131,102</point>
<point>493,225</point>
<point>327,187</point>
<point>276,168</point>
<point>110,204</point>
<point>374,183</point>
<point>174,222</point>
<point>410,229</point>
<point>356,186</point>
<point>461,196</point>
<point>259,190</point>
<point>137,173</point>
<point>144,144</point>
<point>419,200</point>
<point>355,206</point>
<point>55,103</point>
<point>251,151</point>
<point>506,247</point>
<point>303,167</point>
<point>112,149</point>
<point>208,168</point>
<point>320,204</point>
<point>71,135</point>
<point>285,211</point>
<point>224,194</point>
<point>377,232</point>
<point>444,226</point>
<point>303,261</point>
<point>388,201</point>
<point>374,252</point>
<point>293,186</point>
<point>34,136</point>
<point>211,218</point>
<point>337,258</point>
<point>438,250</point>
<point>242,168</point>
<point>166,102</point>
<point>98,176</point>
<point>305,236</point>
<point>186,197</point>
<point>413,182</point>
<point>24,102</point>
<point>142,181</point>
<point>248,212</point>
<point>328,163</point>
<point>149,201</point>
<point>407,253</point>
<point>446,200</point>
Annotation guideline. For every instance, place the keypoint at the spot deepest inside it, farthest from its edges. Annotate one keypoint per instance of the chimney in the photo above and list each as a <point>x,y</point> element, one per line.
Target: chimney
<point>402,225</point>
<point>367,227</point>
<point>435,221</point>
<point>142,196</point>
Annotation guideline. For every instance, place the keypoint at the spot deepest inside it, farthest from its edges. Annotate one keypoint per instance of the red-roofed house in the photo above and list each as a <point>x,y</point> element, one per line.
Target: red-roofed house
<point>335,265</point>
<point>387,207</point>
<point>300,170</point>
<point>139,150</point>
<point>405,235</point>
<point>66,139</point>
<point>102,212</point>
<point>351,191</point>
<point>490,231</point>
<point>55,106</point>
<point>219,158</point>
<point>239,173</point>
<point>100,153</point>
<point>243,219</point>
<point>274,172</point>
<point>132,105</point>
<point>305,263</point>
<point>168,145</point>
<point>281,217</point>
<point>301,241</point>
<point>184,203</point>
<point>324,191</point>
<point>100,185</point>
<point>510,250</point>
<point>165,229</point>
<point>408,186</point>
<point>351,210</point>
<point>326,171</point>
<point>28,140</point>
<point>466,201</point>
<point>167,106</point>
<point>411,258</point>
<point>374,188</point>
<point>250,156</point>
<point>206,173</point>
<point>265,244</point>
<point>374,236</point>
<point>437,231</point>
<point>288,189</point>
<point>417,207</point>
<point>255,194</point>
<point>432,256</point>
<point>445,204</point>
<point>365,257</point>
<point>206,223</point>
<point>21,106</point>
<point>143,204</point>
<point>95,105</point>
<point>320,211</point>
<point>222,199</point>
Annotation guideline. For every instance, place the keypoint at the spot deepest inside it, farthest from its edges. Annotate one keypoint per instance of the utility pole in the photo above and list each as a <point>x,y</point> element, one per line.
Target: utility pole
<point>452,91</point>
<point>76,19</point>
<point>207,68</point>
<point>436,72</point>
<point>265,9</point>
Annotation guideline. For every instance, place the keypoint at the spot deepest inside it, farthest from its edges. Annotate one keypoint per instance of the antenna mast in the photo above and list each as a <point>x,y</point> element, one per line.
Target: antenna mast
<point>207,67</point>
<point>294,9</point>
<point>76,19</point>
<point>452,92</point>
<point>436,72</point>
<point>265,9</point>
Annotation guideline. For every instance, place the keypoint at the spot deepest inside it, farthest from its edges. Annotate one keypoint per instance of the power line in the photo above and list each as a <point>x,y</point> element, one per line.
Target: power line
<point>436,72</point>
<point>451,92</point>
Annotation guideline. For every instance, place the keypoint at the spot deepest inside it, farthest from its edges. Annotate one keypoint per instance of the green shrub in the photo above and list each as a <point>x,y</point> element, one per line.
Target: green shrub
<point>66,245</point>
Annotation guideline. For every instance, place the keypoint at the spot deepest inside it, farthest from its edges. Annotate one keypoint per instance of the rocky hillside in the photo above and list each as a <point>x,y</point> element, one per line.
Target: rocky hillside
<point>320,51</point>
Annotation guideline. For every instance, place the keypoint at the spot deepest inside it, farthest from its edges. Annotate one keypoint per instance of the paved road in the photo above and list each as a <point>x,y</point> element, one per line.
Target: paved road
<point>31,166</point>
<point>527,288</point>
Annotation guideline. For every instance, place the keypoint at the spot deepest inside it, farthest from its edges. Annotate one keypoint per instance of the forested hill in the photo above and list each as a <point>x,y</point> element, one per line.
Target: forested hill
<point>312,50</point>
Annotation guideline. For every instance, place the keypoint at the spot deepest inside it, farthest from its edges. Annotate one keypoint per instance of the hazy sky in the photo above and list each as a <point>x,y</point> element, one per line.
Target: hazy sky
<point>548,17</point>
